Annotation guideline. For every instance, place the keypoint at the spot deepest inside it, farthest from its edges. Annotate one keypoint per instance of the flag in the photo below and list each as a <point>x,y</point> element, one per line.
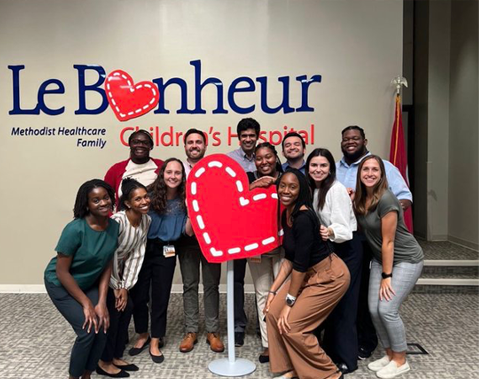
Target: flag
<point>398,156</point>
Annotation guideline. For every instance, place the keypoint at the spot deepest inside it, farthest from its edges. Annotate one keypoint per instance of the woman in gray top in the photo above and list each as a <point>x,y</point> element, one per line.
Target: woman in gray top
<point>396,266</point>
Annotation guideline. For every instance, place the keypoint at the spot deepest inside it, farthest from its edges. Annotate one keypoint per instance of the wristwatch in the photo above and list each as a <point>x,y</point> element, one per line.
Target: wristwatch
<point>290,300</point>
<point>385,276</point>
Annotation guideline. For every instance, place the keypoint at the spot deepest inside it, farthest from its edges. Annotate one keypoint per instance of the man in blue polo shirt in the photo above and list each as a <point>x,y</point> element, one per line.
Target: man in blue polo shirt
<point>353,146</point>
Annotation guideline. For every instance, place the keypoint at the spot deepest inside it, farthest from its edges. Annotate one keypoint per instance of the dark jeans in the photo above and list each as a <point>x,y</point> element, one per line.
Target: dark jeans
<point>367,338</point>
<point>340,340</point>
<point>240,315</point>
<point>118,331</point>
<point>157,272</point>
<point>88,347</point>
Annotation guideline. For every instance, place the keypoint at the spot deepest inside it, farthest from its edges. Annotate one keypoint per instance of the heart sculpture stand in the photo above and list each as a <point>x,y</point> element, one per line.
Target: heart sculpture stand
<point>230,222</point>
<point>231,366</point>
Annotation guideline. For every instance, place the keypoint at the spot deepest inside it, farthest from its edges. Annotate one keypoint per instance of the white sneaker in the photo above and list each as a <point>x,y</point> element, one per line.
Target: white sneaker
<point>391,370</point>
<point>379,363</point>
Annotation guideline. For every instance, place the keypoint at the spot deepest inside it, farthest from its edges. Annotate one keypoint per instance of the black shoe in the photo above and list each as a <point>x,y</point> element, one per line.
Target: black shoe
<point>239,339</point>
<point>343,367</point>
<point>263,358</point>
<point>161,342</point>
<point>130,367</point>
<point>364,353</point>
<point>137,350</point>
<point>121,374</point>
<point>157,358</point>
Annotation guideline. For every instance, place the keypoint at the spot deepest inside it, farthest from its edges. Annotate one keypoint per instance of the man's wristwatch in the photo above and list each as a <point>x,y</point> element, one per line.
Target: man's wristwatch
<point>290,300</point>
<point>385,276</point>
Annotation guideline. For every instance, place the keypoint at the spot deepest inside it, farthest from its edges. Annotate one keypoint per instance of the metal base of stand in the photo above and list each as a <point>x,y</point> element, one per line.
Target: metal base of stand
<point>239,367</point>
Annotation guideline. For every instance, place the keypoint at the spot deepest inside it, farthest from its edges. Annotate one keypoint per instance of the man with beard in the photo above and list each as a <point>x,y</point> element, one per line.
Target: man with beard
<point>294,148</point>
<point>139,167</point>
<point>248,130</point>
<point>353,146</point>
<point>191,257</point>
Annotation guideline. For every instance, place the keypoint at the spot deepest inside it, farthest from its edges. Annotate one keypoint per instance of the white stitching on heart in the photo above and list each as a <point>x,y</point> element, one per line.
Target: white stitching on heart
<point>215,164</point>
<point>132,89</point>
<point>196,207</point>
<point>200,172</point>
<point>239,185</point>
<point>207,238</point>
<point>251,246</point>
<point>243,202</point>
<point>201,224</point>
<point>216,253</point>
<point>267,241</point>
<point>230,171</point>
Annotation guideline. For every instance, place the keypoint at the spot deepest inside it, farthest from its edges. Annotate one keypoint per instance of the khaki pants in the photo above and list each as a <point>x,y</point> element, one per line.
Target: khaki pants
<point>263,274</point>
<point>324,285</point>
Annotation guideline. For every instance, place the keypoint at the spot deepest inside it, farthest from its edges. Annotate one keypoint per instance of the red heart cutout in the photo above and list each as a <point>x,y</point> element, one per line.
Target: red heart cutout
<point>129,100</point>
<point>229,220</point>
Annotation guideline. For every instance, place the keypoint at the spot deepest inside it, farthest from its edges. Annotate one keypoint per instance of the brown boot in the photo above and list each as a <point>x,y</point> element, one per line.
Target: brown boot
<point>188,342</point>
<point>213,339</point>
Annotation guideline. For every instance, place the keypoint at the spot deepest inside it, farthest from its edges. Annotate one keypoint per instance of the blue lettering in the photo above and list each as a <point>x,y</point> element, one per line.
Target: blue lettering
<point>263,80</point>
<point>199,87</point>
<point>43,90</point>
<point>16,93</point>
<point>234,88</point>
<point>161,88</point>
<point>83,88</point>
<point>305,83</point>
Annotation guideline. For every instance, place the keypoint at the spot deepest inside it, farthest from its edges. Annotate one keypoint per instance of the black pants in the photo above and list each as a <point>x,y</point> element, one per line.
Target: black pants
<point>367,337</point>
<point>118,331</point>
<point>157,272</point>
<point>88,347</point>
<point>340,340</point>
<point>240,315</point>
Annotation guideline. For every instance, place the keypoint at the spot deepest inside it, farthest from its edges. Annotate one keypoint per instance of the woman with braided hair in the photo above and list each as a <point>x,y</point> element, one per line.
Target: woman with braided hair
<point>77,278</point>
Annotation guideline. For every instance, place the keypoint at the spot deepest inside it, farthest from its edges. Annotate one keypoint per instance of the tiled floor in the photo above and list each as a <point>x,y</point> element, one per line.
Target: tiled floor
<point>35,340</point>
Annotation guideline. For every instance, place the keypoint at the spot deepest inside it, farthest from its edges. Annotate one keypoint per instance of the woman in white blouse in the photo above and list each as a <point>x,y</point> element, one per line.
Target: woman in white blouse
<point>338,225</point>
<point>134,221</point>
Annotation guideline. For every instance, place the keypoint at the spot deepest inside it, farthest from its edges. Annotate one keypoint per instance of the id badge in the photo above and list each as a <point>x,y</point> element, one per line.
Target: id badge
<point>255,259</point>
<point>168,251</point>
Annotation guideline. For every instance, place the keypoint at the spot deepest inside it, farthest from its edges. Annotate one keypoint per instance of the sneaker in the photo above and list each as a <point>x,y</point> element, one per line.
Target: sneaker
<point>364,353</point>
<point>379,364</point>
<point>391,370</point>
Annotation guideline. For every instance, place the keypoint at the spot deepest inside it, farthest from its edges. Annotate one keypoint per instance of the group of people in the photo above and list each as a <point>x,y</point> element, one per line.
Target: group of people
<point>320,307</point>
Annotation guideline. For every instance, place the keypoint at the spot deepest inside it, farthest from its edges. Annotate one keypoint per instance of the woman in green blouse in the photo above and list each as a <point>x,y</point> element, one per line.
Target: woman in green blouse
<point>77,278</point>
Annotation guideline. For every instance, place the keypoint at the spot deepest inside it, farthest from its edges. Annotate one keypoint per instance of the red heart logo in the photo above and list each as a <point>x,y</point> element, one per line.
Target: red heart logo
<point>129,100</point>
<point>229,220</point>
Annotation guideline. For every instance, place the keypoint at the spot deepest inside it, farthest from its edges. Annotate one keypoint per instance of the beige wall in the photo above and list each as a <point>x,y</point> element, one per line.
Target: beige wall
<point>355,45</point>
<point>464,125</point>
<point>446,121</point>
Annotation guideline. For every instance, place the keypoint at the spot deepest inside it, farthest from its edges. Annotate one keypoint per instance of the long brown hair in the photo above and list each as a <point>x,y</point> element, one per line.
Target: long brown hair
<point>327,183</point>
<point>361,195</point>
<point>158,188</point>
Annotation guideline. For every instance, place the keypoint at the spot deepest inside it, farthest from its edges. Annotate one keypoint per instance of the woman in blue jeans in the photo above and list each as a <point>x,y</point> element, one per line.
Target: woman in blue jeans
<point>396,266</point>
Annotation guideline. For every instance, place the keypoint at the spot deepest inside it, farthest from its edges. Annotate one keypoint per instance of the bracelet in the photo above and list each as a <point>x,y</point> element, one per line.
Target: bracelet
<point>273,292</point>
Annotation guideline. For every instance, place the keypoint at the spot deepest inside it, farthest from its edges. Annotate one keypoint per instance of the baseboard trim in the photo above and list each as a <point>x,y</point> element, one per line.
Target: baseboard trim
<point>468,244</point>
<point>40,288</point>
<point>451,262</point>
<point>447,282</point>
